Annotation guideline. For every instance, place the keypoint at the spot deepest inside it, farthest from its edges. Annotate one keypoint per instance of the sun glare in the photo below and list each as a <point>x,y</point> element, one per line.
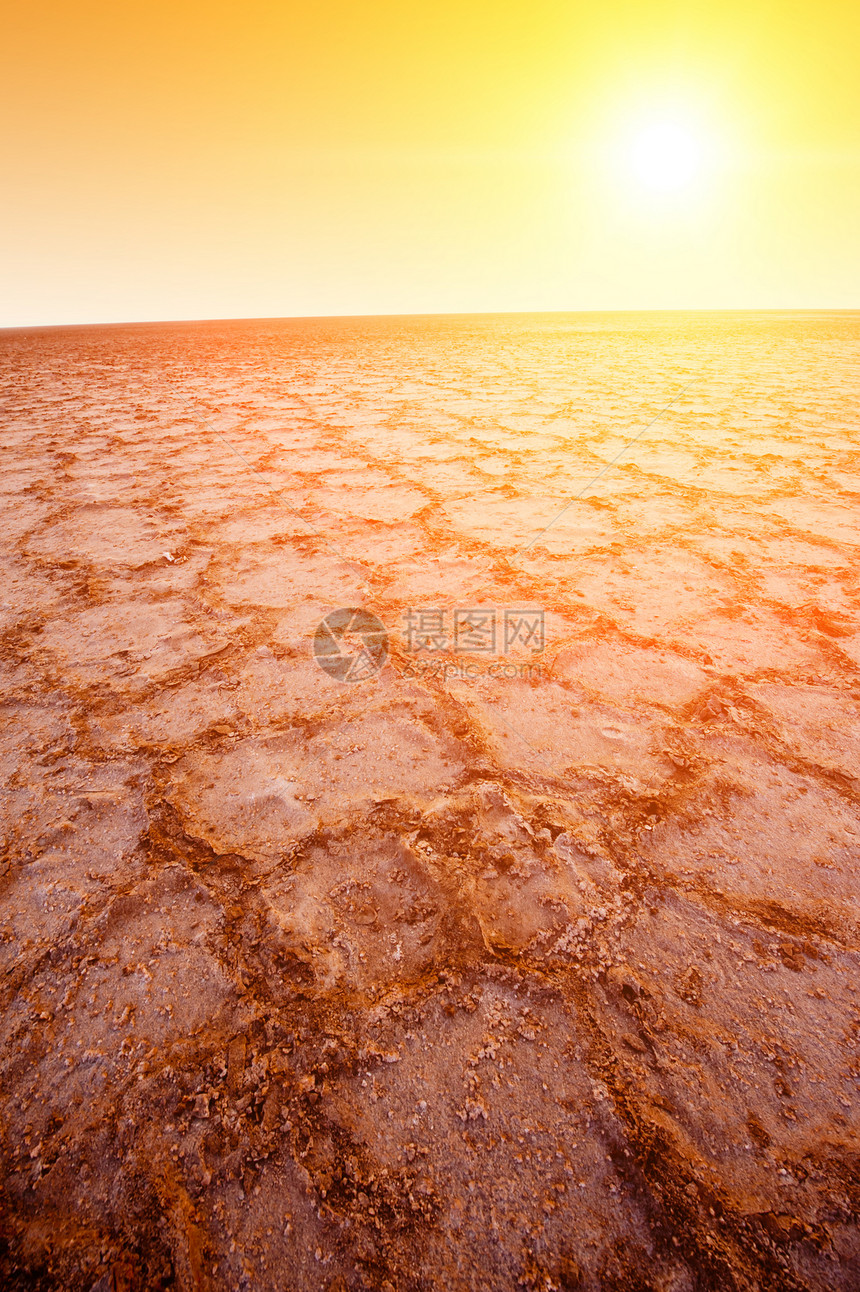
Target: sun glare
<point>665,156</point>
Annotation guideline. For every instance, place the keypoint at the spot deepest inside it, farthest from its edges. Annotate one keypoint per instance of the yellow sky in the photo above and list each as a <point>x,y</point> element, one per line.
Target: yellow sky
<point>189,160</point>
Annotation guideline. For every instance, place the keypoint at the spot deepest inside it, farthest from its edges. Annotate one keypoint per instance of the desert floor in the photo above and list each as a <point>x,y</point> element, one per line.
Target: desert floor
<point>499,967</point>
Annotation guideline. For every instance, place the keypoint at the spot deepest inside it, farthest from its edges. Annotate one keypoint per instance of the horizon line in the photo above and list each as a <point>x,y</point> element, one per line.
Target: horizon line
<point>432,314</point>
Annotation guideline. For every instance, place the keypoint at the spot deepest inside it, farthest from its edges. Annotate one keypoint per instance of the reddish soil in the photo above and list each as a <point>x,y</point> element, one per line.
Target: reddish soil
<point>440,979</point>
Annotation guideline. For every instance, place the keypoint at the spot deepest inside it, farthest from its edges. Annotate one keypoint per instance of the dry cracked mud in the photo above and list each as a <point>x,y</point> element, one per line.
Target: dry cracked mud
<point>543,977</point>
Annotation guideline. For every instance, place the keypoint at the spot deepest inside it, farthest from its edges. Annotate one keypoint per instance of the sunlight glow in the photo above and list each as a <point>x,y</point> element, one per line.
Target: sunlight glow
<point>666,156</point>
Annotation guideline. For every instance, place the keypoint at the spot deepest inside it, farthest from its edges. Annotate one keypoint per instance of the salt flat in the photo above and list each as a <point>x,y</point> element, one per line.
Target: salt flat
<point>528,963</point>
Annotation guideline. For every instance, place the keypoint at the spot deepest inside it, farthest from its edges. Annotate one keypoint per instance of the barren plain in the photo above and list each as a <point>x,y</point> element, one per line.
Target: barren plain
<point>457,976</point>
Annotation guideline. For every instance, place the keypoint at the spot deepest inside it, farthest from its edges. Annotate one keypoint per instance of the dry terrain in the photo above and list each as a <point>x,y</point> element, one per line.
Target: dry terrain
<point>458,976</point>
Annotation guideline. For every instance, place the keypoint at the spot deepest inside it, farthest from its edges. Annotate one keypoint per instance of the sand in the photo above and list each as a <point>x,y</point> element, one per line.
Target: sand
<point>493,969</point>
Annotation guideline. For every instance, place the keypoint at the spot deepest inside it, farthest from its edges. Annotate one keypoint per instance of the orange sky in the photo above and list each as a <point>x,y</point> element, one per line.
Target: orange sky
<point>185,160</point>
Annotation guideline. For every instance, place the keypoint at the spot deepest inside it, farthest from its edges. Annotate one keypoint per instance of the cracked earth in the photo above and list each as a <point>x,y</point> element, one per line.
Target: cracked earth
<point>435,980</point>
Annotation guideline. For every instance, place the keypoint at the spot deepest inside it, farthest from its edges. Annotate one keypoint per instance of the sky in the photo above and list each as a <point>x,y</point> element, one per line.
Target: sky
<point>184,160</point>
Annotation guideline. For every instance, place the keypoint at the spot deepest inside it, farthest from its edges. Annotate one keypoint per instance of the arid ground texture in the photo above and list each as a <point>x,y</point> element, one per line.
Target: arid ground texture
<point>459,976</point>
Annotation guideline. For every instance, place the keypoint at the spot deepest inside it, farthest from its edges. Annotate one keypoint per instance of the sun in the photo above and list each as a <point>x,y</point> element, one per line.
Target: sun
<point>666,156</point>
<point>665,161</point>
